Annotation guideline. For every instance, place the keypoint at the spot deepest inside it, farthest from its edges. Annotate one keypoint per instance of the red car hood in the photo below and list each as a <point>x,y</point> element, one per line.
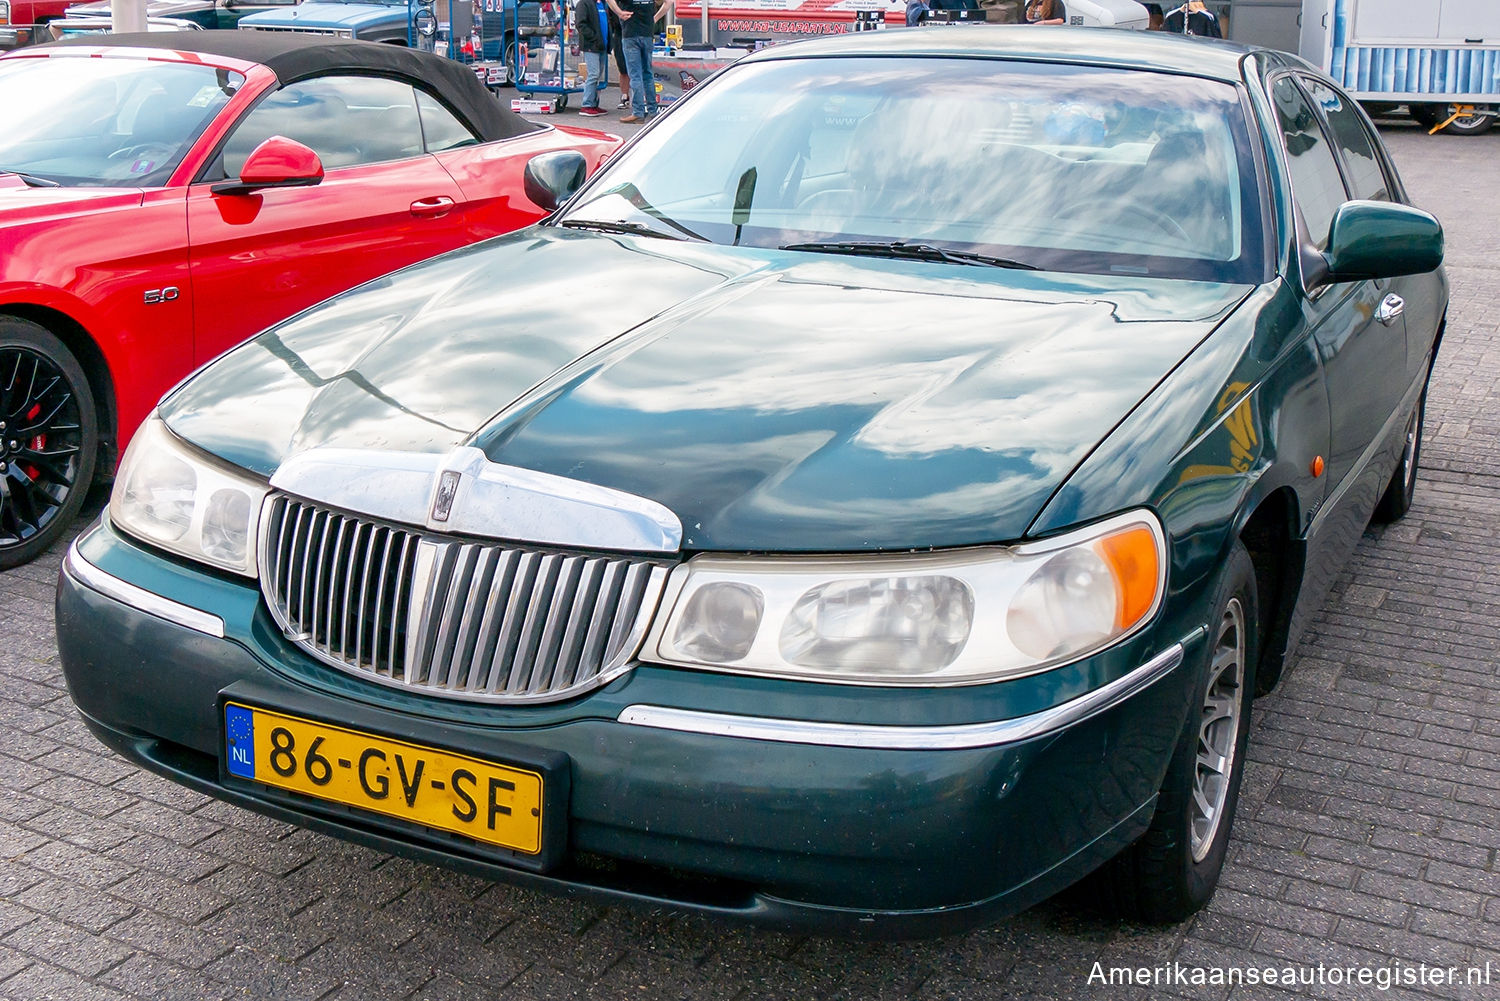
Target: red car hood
<point>21,203</point>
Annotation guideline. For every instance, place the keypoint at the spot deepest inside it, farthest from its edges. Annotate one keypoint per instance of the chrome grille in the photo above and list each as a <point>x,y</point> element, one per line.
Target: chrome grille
<point>451,617</point>
<point>336,32</point>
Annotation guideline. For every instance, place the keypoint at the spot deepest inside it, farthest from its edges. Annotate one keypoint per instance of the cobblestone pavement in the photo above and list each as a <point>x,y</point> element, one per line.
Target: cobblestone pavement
<point>1367,835</point>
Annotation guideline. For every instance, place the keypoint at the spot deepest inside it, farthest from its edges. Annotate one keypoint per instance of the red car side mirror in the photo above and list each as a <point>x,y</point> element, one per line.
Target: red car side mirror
<point>278,162</point>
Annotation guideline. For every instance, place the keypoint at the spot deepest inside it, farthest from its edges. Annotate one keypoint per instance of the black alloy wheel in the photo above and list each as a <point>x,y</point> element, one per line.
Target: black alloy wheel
<point>49,439</point>
<point>1173,870</point>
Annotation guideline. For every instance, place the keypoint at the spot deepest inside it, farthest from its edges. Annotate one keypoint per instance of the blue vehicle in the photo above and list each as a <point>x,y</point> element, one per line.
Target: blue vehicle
<point>397,22</point>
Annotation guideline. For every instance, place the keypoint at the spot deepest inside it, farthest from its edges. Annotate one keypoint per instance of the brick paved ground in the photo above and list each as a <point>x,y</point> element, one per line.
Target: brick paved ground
<point>1368,832</point>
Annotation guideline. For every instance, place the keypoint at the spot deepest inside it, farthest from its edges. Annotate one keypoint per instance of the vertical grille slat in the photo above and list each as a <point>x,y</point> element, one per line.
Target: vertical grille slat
<point>466,636</point>
<point>630,596</point>
<point>489,625</point>
<point>585,592</point>
<point>457,618</point>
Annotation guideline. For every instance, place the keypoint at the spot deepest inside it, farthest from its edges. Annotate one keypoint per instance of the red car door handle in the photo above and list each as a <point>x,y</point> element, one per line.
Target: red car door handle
<point>424,207</point>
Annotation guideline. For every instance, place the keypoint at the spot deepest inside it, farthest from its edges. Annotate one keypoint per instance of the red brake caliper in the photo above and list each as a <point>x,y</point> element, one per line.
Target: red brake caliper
<point>37,443</point>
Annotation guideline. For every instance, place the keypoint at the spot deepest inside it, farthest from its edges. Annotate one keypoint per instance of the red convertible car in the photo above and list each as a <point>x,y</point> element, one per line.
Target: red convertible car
<point>164,197</point>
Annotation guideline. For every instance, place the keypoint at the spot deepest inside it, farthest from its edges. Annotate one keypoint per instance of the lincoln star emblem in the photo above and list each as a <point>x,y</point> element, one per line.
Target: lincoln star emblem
<point>442,504</point>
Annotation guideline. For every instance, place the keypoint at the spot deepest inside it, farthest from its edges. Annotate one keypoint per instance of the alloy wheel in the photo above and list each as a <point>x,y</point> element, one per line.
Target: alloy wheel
<point>41,443</point>
<point>1409,455</point>
<point>1219,730</point>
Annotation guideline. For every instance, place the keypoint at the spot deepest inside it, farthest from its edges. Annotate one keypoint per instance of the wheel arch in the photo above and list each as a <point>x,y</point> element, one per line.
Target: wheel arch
<point>91,358</point>
<point>1276,550</point>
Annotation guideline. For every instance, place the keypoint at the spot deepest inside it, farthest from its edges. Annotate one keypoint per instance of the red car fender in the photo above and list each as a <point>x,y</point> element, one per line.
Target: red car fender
<point>491,176</point>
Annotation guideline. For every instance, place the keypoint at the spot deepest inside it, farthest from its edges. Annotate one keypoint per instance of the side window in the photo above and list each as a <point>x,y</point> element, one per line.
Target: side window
<point>346,120</point>
<point>440,127</point>
<point>1355,148</point>
<point>1317,187</point>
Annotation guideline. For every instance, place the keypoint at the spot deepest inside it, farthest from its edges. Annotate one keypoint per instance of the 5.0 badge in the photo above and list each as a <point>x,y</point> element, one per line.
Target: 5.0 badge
<point>156,295</point>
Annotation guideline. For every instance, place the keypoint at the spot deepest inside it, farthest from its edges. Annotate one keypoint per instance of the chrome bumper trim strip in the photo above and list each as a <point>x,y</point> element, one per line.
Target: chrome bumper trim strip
<point>90,576</point>
<point>911,738</point>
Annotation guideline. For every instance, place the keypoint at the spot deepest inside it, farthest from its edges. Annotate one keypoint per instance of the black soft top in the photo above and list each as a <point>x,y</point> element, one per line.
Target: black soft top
<point>292,56</point>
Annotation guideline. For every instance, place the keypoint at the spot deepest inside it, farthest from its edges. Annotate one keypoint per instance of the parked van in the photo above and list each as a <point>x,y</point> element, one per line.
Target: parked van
<point>1441,58</point>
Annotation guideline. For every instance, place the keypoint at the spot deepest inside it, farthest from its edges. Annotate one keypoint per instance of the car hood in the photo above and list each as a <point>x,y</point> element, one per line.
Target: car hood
<point>772,400</point>
<point>327,14</point>
<point>21,203</point>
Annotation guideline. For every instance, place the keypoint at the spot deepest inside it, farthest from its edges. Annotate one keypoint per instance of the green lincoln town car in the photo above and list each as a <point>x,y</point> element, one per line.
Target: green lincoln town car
<point>871,503</point>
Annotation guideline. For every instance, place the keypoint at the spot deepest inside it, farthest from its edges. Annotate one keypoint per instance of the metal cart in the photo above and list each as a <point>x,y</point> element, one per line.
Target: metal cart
<point>542,52</point>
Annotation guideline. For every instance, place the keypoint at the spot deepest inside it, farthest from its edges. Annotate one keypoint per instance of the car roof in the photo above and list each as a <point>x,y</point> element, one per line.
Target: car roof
<point>292,57</point>
<point>1147,50</point>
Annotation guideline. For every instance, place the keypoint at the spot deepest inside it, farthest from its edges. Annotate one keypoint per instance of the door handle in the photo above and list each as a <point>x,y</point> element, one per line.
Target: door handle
<point>429,207</point>
<point>1391,308</point>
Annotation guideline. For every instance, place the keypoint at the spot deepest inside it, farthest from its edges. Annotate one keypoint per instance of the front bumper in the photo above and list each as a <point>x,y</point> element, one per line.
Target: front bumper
<point>844,827</point>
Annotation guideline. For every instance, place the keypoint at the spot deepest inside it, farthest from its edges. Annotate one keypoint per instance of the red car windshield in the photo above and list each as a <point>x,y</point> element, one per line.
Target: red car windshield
<point>105,122</point>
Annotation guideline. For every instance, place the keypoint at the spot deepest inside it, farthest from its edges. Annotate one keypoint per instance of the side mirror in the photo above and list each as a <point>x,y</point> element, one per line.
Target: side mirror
<point>1382,240</point>
<point>551,178</point>
<point>278,162</point>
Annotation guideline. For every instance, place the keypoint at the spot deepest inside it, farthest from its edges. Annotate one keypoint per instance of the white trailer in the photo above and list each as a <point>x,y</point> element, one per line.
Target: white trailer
<point>1108,14</point>
<point>1441,58</point>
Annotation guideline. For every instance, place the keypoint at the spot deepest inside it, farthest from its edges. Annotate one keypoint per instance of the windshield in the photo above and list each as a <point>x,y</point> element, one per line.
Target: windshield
<point>1061,167</point>
<point>105,122</point>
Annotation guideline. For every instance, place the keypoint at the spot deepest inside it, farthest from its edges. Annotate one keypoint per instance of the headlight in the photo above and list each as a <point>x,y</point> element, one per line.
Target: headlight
<point>955,618</point>
<point>4,13</point>
<point>346,33</point>
<point>180,500</point>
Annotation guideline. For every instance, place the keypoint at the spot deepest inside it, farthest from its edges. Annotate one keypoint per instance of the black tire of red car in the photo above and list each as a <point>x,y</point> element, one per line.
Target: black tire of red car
<point>1396,500</point>
<point>49,439</point>
<point>1172,871</point>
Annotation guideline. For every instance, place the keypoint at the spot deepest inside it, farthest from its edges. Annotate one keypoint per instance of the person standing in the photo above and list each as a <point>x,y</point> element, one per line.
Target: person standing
<point>1046,12</point>
<point>619,53</point>
<point>1193,18</point>
<point>637,33</point>
<point>592,18</point>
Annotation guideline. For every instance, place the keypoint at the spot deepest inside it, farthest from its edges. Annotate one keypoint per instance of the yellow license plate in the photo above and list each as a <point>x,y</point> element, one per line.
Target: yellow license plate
<point>482,800</point>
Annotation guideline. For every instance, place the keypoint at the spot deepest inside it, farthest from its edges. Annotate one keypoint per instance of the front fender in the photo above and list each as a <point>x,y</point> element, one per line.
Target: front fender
<point>1242,417</point>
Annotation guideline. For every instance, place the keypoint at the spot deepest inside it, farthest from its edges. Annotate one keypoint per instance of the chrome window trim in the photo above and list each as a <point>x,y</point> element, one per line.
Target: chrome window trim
<point>81,571</point>
<point>910,738</point>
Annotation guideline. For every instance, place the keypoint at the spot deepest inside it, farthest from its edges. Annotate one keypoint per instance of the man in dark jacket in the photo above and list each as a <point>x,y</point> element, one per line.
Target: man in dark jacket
<point>1193,18</point>
<point>592,18</point>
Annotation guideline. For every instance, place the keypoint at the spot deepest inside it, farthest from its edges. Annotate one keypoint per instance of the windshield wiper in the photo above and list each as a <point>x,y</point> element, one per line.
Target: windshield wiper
<point>32,179</point>
<point>633,228</point>
<point>900,250</point>
<point>632,194</point>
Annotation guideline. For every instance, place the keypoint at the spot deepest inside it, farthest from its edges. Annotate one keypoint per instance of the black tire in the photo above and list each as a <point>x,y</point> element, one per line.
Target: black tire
<point>508,57</point>
<point>1467,125</point>
<point>49,439</point>
<point>1396,500</point>
<point>1172,871</point>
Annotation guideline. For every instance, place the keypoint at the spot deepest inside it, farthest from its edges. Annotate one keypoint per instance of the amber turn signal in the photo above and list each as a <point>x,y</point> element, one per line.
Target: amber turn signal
<point>1132,559</point>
